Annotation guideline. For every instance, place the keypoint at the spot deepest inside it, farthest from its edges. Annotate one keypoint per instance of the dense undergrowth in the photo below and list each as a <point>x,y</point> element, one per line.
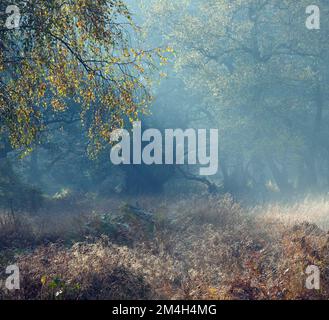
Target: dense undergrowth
<point>189,249</point>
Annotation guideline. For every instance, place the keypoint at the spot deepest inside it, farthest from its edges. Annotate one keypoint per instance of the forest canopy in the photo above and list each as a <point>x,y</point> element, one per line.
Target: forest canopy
<point>74,71</point>
<point>71,61</point>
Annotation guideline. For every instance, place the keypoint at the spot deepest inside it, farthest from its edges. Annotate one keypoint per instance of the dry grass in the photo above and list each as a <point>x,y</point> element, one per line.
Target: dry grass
<point>200,249</point>
<point>311,209</point>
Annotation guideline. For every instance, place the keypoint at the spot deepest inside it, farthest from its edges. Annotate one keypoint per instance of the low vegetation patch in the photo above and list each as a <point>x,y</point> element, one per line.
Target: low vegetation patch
<point>212,249</point>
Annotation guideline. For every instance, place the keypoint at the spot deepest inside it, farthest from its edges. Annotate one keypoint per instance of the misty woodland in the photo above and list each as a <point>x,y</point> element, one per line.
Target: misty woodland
<point>162,149</point>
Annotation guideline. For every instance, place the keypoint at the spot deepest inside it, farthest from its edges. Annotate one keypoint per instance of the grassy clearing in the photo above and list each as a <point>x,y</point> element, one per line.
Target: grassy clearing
<point>200,249</point>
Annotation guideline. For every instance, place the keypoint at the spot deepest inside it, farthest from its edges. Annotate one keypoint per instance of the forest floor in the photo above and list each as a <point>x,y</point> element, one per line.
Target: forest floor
<point>184,249</point>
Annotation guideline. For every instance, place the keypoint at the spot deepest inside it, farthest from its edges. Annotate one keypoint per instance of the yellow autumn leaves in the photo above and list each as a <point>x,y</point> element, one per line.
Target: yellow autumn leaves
<point>81,62</point>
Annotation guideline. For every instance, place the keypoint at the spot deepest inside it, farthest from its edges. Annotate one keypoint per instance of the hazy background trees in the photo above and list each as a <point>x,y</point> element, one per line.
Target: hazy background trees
<point>260,76</point>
